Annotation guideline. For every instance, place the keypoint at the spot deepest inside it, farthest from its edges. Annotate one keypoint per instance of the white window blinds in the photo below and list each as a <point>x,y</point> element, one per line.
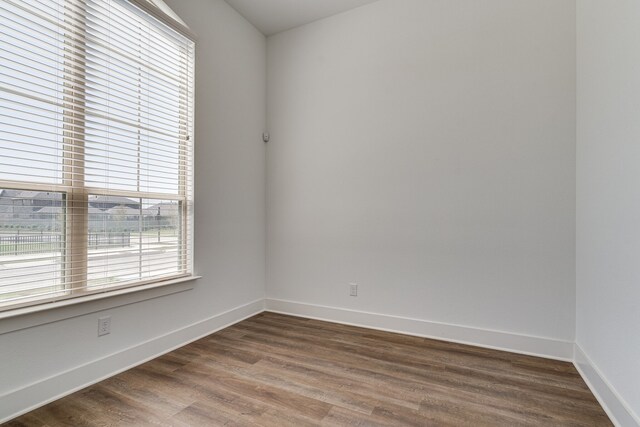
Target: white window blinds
<point>96,149</point>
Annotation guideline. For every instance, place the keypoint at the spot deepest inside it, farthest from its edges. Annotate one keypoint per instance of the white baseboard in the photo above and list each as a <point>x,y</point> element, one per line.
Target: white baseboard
<point>516,343</point>
<point>614,405</point>
<point>32,396</point>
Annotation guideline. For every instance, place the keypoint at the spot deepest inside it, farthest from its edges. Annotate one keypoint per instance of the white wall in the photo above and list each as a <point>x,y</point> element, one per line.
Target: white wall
<point>229,226</point>
<point>425,149</point>
<point>608,194</point>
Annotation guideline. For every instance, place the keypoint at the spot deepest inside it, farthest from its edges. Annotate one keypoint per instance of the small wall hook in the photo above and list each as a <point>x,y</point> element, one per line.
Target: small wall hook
<point>266,137</point>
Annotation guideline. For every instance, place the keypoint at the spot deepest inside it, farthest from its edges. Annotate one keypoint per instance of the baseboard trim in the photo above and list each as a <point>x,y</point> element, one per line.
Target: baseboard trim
<point>618,410</point>
<point>37,394</point>
<point>498,340</point>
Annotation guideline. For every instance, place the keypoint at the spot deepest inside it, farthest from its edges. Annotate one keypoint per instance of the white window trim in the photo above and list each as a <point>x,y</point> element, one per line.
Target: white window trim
<point>49,312</point>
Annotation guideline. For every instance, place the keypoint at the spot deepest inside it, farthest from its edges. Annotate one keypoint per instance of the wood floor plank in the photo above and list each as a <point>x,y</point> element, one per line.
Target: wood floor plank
<point>420,378</point>
<point>278,370</point>
<point>270,395</point>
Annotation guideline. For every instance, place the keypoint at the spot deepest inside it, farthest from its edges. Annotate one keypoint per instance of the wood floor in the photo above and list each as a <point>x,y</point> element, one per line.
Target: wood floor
<point>275,370</point>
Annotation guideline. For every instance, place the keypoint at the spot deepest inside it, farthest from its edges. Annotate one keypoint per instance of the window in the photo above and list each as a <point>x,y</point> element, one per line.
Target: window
<point>96,149</point>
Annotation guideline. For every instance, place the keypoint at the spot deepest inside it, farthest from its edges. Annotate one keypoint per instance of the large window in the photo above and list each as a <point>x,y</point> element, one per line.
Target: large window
<point>96,143</point>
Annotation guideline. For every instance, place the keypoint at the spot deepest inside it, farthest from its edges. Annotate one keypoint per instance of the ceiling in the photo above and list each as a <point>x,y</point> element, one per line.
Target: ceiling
<point>273,16</point>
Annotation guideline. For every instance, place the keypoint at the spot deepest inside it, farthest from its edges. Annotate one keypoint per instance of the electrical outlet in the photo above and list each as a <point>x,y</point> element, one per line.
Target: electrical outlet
<point>353,289</point>
<point>104,326</point>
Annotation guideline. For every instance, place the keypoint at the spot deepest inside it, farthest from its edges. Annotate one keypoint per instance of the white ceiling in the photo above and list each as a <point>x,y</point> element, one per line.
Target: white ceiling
<point>273,16</point>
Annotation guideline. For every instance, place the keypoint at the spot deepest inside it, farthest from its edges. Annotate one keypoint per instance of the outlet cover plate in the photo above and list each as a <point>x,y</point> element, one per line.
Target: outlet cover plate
<point>353,289</point>
<point>104,326</point>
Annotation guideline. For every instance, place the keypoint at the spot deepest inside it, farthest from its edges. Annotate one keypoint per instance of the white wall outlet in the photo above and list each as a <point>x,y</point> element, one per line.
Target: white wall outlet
<point>353,289</point>
<point>104,326</point>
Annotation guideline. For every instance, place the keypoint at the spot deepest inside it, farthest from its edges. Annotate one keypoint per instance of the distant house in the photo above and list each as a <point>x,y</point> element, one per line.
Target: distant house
<point>43,210</point>
<point>162,210</point>
<point>109,202</point>
<point>23,204</point>
<point>32,199</point>
<point>96,213</point>
<point>40,199</point>
<point>9,194</point>
<point>6,204</point>
<point>123,212</point>
<point>37,199</point>
<point>163,215</point>
<point>98,219</point>
<point>48,213</point>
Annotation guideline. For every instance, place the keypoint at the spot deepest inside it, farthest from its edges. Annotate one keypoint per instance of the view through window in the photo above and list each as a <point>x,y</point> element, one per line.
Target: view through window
<point>96,149</point>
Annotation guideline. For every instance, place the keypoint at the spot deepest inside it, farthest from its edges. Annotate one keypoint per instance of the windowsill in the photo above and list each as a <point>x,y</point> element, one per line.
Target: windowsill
<point>28,317</point>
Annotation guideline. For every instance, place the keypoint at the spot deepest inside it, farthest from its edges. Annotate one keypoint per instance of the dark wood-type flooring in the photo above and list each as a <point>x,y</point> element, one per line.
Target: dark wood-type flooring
<point>276,370</point>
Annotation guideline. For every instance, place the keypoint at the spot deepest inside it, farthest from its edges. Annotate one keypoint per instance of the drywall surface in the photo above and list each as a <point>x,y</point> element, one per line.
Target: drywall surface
<point>273,16</point>
<point>608,193</point>
<point>229,222</point>
<point>425,150</point>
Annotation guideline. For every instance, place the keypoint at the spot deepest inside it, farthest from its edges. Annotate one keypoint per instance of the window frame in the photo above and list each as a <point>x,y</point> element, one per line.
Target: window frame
<point>75,193</point>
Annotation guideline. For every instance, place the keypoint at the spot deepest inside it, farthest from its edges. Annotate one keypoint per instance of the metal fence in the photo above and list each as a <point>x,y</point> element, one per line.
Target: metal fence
<point>35,243</point>
<point>109,240</point>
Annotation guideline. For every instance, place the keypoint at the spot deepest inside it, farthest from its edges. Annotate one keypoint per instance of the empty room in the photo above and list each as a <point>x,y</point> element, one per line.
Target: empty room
<point>319,213</point>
